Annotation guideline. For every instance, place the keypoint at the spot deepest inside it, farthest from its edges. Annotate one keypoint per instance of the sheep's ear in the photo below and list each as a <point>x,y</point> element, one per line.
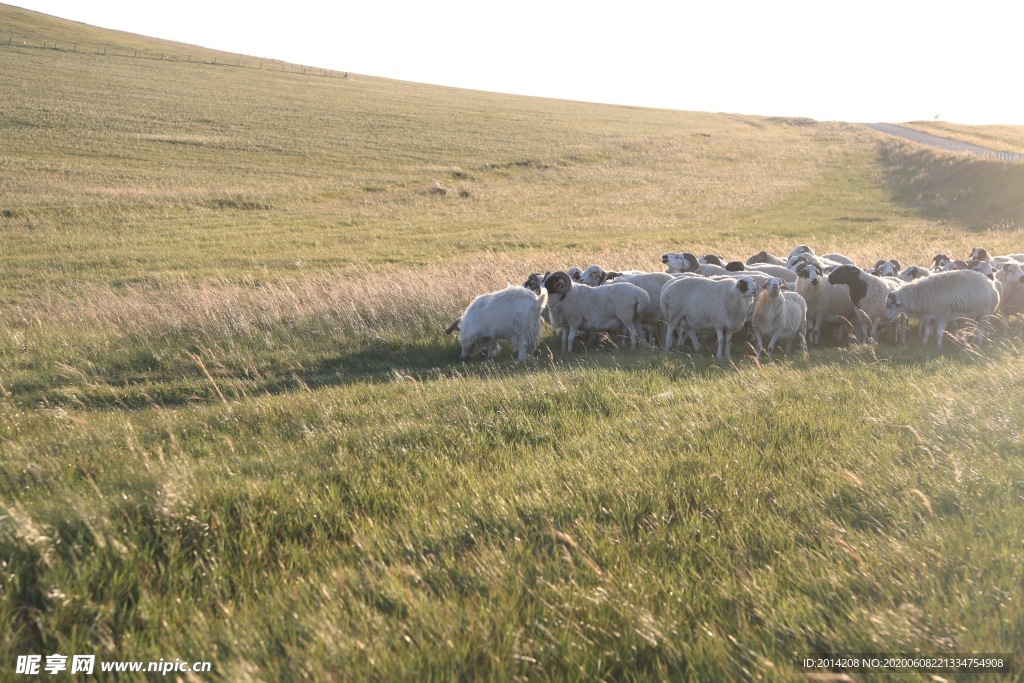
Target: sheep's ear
<point>742,286</point>
<point>610,274</point>
<point>785,286</point>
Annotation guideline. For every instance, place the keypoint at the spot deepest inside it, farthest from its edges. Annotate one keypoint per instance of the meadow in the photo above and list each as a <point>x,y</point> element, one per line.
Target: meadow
<point>232,429</point>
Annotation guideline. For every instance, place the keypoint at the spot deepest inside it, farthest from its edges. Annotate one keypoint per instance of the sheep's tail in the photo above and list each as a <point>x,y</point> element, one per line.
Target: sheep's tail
<point>454,327</point>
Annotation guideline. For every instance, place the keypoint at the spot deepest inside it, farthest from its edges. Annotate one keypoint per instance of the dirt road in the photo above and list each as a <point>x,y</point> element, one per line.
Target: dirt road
<point>944,143</point>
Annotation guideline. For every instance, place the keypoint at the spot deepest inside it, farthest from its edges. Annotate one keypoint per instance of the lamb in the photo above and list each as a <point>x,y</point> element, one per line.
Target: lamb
<point>942,298</point>
<point>779,315</point>
<point>512,313</point>
<point>577,307</point>
<point>868,294</point>
<point>699,304</point>
<point>826,303</point>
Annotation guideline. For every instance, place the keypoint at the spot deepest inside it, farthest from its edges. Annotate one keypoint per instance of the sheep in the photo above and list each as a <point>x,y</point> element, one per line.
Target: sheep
<point>942,298</point>
<point>1011,303</point>
<point>688,263</point>
<point>577,307</point>
<point>512,313</point>
<point>839,259</point>
<point>769,269</point>
<point>652,283</point>
<point>698,304</point>
<point>779,315</point>
<point>939,262</point>
<point>981,254</point>
<point>911,273</point>
<point>890,268</point>
<point>826,303</point>
<point>765,257</point>
<point>596,275</point>
<point>868,294</point>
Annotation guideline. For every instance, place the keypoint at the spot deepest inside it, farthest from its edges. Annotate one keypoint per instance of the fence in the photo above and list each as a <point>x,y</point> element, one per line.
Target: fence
<point>201,56</point>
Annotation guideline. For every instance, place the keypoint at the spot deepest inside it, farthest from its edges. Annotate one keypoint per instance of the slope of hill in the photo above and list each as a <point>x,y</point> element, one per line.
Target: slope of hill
<point>233,431</point>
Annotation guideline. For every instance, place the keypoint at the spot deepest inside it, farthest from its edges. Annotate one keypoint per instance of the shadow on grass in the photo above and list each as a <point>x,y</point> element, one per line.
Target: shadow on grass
<point>976,194</point>
<point>197,377</point>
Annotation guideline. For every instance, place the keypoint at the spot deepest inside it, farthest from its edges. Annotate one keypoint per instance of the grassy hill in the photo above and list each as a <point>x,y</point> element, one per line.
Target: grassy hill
<point>232,428</point>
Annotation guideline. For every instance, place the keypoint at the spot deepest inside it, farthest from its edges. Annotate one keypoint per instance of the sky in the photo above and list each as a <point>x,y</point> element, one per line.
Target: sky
<point>867,61</point>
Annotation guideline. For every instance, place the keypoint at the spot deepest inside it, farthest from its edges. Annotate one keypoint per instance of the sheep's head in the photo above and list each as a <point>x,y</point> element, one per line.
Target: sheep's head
<point>811,272</point>
<point>712,259</point>
<point>535,282</point>
<point>1011,271</point>
<point>939,261</point>
<point>593,276</point>
<point>913,273</point>
<point>893,305</point>
<point>746,287</point>
<point>680,263</point>
<point>759,257</point>
<point>574,273</point>
<point>802,249</point>
<point>980,254</point>
<point>958,264</point>
<point>558,283</point>
<point>735,266</point>
<point>774,286</point>
<point>888,268</point>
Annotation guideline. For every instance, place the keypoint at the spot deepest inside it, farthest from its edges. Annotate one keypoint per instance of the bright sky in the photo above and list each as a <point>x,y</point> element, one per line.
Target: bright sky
<point>869,60</point>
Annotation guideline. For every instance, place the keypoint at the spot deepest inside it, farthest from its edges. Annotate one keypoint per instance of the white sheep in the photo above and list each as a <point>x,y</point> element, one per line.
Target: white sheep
<point>769,269</point>
<point>868,294</point>
<point>765,257</point>
<point>942,298</point>
<point>697,304</point>
<point>911,273</point>
<point>779,315</point>
<point>577,307</point>
<point>652,283</point>
<point>1011,303</point>
<point>688,263</point>
<point>512,313</point>
<point>826,303</point>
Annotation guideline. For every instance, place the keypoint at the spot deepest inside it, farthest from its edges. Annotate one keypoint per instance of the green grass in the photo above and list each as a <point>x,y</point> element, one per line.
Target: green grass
<point>231,428</point>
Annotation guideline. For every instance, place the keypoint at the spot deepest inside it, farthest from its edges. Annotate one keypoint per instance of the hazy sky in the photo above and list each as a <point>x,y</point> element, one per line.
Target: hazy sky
<point>870,60</point>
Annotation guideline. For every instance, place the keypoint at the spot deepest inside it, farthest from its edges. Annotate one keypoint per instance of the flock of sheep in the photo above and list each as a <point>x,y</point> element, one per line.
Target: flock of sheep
<point>781,300</point>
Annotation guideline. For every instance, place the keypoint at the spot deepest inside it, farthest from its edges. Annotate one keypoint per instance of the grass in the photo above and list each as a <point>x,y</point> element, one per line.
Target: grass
<point>1003,138</point>
<point>232,430</point>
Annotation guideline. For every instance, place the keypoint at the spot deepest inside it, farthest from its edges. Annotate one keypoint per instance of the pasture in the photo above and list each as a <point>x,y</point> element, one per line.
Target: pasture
<point>232,429</point>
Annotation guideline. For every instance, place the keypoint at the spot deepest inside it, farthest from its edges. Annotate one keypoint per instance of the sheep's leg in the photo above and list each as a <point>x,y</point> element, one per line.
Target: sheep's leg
<point>926,323</point>
<point>940,330</point>
<point>760,345</point>
<point>728,344</point>
<point>493,349</point>
<point>721,341</point>
<point>692,334</point>
<point>669,332</point>
<point>572,337</point>
<point>524,345</point>
<point>772,342</point>
<point>565,340</point>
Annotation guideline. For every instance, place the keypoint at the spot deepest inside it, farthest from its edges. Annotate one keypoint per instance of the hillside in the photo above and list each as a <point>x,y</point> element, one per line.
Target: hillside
<point>232,429</point>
